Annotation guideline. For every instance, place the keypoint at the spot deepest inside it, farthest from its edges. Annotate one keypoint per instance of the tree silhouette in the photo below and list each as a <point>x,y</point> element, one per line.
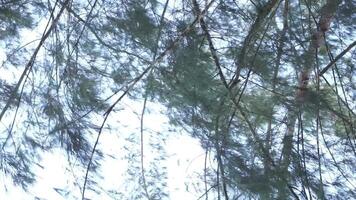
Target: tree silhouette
<point>267,87</point>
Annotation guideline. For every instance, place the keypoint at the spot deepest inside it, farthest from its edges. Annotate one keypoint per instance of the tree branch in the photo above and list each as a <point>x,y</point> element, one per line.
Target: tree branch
<point>338,57</point>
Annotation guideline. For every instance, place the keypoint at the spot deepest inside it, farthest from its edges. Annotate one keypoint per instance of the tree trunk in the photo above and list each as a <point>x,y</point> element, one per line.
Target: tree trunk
<point>327,12</point>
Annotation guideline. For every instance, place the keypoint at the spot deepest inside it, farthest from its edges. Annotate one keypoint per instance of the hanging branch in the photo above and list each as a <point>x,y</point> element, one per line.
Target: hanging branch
<point>268,8</point>
<point>339,99</point>
<point>281,44</point>
<point>223,79</point>
<point>321,193</point>
<point>30,63</point>
<point>300,96</point>
<point>100,40</point>
<point>334,160</point>
<point>136,80</point>
<point>211,45</point>
<point>142,157</point>
<point>250,39</point>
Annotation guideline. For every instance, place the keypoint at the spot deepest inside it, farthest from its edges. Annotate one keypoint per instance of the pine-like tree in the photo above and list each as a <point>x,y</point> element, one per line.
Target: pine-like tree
<point>268,87</point>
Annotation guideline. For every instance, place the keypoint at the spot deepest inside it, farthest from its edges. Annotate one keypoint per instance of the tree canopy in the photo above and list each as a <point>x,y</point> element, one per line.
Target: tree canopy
<point>267,87</point>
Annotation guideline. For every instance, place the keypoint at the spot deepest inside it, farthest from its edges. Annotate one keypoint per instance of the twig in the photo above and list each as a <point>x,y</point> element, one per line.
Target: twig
<point>136,80</point>
<point>30,63</point>
<point>337,58</point>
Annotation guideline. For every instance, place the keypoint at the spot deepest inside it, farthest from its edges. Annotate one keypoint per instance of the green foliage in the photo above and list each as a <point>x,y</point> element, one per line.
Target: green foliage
<point>53,108</point>
<point>14,16</point>
<point>18,166</point>
<point>189,78</point>
<point>86,95</point>
<point>138,24</point>
<point>121,76</point>
<point>267,135</point>
<point>260,104</point>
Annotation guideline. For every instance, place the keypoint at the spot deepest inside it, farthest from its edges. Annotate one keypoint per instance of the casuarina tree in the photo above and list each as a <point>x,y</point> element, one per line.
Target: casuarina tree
<point>267,87</point>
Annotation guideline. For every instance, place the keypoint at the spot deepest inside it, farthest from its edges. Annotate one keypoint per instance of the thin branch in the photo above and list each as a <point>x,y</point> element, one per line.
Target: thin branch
<point>206,192</point>
<point>269,6</point>
<point>136,80</point>
<point>30,63</point>
<point>337,58</point>
<point>251,38</point>
<point>9,135</point>
<point>321,193</point>
<point>100,40</point>
<point>142,164</point>
<point>106,114</point>
<point>211,45</point>
<point>334,160</point>
<point>205,177</point>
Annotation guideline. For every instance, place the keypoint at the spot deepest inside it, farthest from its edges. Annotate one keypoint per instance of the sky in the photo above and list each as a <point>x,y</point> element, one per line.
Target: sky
<point>185,161</point>
<point>185,157</point>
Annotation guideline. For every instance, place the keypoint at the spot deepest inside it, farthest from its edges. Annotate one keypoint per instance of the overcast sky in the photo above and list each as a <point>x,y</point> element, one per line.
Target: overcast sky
<point>185,156</point>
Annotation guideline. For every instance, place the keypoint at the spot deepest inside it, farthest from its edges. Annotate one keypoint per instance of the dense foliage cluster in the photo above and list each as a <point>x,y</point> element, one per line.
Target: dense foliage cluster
<point>268,87</point>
